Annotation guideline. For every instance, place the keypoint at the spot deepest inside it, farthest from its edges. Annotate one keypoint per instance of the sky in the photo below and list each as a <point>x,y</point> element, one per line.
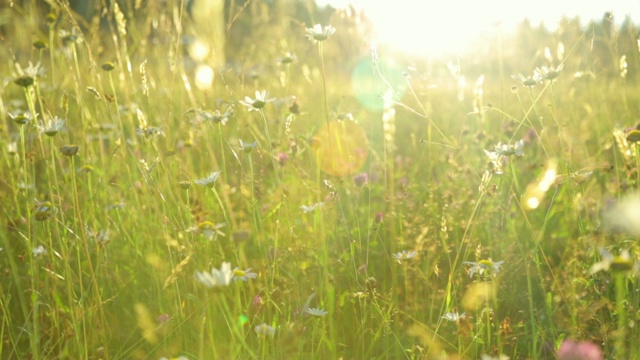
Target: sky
<point>427,27</point>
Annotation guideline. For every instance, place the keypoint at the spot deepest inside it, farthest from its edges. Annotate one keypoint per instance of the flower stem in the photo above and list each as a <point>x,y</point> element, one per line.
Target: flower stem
<point>621,312</point>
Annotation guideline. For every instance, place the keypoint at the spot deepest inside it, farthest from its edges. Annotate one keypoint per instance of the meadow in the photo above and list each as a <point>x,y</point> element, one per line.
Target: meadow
<point>312,195</point>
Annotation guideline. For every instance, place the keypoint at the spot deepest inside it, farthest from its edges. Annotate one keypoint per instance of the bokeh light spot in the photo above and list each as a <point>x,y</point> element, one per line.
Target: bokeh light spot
<point>204,77</point>
<point>341,148</point>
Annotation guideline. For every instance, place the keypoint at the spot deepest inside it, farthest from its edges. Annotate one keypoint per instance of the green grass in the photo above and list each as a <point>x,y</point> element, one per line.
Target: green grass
<point>125,227</point>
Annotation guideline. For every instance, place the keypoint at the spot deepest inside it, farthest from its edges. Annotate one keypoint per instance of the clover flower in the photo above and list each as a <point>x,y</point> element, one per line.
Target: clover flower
<point>239,274</point>
<point>483,266</point>
<point>318,33</point>
<point>404,255</point>
<point>361,179</point>
<point>573,350</point>
<point>217,277</point>
<point>258,103</point>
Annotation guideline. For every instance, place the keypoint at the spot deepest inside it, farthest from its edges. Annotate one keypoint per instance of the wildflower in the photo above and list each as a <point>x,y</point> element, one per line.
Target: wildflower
<point>44,210</point>
<point>22,118</point>
<point>257,302</point>
<point>215,116</point>
<point>247,147</point>
<point>288,58</point>
<point>239,274</point>
<point>620,263</point>
<point>12,148</point>
<point>316,312</point>
<point>516,149</point>
<point>573,350</point>
<point>529,81</point>
<point>39,251</point>
<point>27,77</point>
<point>483,266</point>
<point>52,126</point>
<point>208,229</point>
<point>379,217</point>
<point>108,66</point>
<point>85,169</point>
<point>185,185</point>
<point>264,330</point>
<point>404,255</point>
<point>294,107</point>
<point>24,81</point>
<point>73,36</point>
<point>50,18</point>
<point>361,179</point>
<point>149,131</point>
<point>501,150</point>
<point>216,277</point>
<point>163,318</point>
<point>319,34</point>
<point>282,158</point>
<point>209,180</point>
<point>312,207</point>
<point>499,357</point>
<point>454,316</point>
<point>115,206</point>
<point>258,103</point>
<point>549,73</point>
<point>633,136</point>
<point>40,44</point>
<point>623,215</point>
<point>69,150</point>
<point>581,177</point>
<point>101,237</point>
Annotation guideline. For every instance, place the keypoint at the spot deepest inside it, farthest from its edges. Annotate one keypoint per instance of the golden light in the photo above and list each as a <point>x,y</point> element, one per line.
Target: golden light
<point>199,50</point>
<point>204,77</point>
<point>341,148</point>
<point>535,191</point>
<point>440,28</point>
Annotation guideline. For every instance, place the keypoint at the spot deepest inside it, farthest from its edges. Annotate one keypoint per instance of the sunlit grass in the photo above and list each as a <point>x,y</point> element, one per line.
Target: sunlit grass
<point>364,204</point>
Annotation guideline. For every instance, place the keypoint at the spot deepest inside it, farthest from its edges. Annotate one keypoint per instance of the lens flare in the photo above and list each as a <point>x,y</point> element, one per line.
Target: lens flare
<point>535,191</point>
<point>341,148</point>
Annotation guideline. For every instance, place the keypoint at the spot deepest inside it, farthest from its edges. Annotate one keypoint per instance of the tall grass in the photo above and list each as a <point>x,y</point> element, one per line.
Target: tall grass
<point>372,218</point>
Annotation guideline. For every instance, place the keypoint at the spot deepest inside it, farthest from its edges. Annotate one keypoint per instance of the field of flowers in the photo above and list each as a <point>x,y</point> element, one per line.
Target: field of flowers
<point>299,192</point>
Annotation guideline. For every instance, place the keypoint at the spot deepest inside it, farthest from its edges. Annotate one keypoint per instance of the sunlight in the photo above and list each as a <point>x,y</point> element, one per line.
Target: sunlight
<point>454,27</point>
